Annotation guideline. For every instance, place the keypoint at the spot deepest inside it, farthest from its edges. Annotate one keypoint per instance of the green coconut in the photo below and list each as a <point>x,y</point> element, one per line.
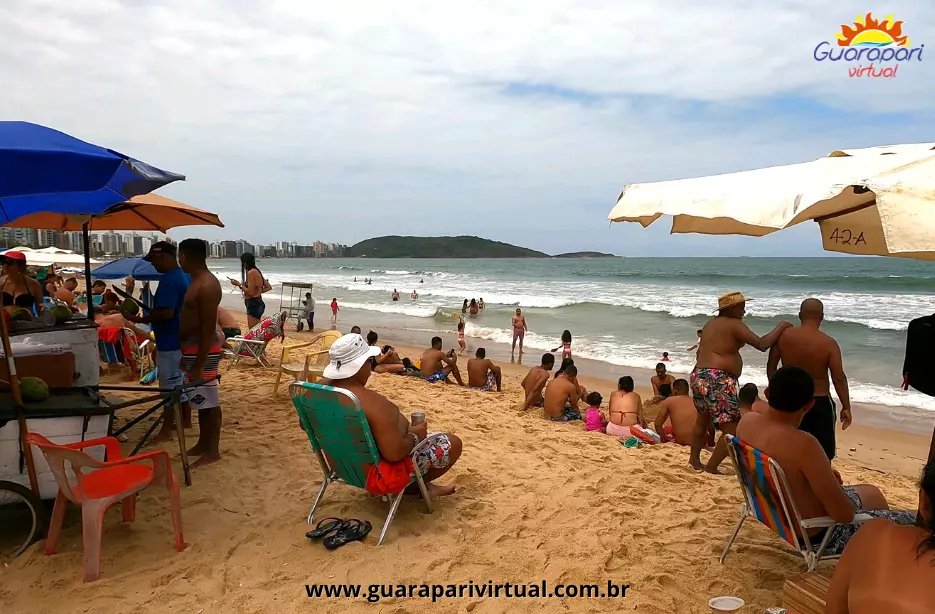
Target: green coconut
<point>62,313</point>
<point>34,389</point>
<point>21,315</point>
<point>129,307</point>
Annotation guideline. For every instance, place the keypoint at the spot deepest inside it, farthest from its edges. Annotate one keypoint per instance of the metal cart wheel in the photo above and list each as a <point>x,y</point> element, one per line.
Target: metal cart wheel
<point>22,519</point>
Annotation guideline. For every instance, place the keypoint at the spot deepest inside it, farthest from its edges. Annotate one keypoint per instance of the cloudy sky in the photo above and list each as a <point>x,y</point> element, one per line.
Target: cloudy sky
<point>517,121</point>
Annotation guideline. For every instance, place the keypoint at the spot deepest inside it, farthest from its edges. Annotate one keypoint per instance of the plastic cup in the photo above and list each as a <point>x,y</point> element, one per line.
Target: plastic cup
<point>417,417</point>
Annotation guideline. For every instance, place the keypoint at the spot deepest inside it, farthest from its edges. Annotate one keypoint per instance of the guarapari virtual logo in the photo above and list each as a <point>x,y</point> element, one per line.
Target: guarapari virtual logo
<point>870,48</point>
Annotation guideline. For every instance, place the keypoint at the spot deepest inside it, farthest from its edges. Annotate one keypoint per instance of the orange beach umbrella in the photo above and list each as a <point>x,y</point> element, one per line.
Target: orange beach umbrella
<point>147,212</point>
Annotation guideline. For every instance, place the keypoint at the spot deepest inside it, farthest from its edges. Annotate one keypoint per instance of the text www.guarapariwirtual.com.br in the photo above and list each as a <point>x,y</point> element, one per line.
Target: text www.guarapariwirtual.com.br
<point>375,592</point>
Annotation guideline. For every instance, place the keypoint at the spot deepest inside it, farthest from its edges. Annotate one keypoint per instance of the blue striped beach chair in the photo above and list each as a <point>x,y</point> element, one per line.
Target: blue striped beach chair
<point>767,500</point>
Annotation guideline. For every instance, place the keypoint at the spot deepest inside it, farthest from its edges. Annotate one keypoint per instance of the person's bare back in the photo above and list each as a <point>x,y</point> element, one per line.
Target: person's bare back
<point>810,349</point>
<point>432,361</point>
<point>881,571</point>
<point>535,381</point>
<point>681,412</point>
<point>625,408</point>
<point>560,392</point>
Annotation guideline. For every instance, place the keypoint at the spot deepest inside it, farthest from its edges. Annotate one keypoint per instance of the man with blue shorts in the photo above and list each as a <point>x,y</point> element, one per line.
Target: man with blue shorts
<point>164,318</point>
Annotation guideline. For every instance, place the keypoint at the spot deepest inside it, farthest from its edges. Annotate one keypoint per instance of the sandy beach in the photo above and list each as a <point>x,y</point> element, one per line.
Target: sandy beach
<point>535,501</point>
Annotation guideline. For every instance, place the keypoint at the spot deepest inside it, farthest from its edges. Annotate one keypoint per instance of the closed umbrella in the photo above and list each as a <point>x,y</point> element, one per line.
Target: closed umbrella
<point>874,201</point>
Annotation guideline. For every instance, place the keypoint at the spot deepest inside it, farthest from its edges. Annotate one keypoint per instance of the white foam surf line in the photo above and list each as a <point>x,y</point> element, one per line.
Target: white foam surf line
<point>642,356</point>
<point>876,311</point>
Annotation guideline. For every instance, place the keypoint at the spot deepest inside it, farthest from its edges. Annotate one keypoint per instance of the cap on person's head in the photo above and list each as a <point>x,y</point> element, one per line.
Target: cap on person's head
<point>160,247</point>
<point>731,299</point>
<point>791,389</point>
<point>14,256</point>
<point>748,394</point>
<point>347,355</point>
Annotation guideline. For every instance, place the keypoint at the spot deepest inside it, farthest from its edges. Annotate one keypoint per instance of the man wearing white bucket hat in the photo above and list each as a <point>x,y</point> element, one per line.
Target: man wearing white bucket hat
<point>349,368</point>
<point>717,369</point>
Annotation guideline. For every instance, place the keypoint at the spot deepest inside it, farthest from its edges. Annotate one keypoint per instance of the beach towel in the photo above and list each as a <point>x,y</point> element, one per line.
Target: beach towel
<point>389,478</point>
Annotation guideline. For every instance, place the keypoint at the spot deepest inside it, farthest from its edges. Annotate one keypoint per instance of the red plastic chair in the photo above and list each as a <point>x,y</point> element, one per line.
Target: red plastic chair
<point>98,486</point>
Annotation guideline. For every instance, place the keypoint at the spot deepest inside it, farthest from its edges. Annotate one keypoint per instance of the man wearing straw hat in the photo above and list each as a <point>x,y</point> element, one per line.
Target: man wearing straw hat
<point>714,379</point>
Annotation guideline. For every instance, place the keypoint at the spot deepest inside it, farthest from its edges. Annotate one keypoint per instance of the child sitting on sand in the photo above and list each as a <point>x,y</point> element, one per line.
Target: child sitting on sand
<point>594,419</point>
<point>565,346</point>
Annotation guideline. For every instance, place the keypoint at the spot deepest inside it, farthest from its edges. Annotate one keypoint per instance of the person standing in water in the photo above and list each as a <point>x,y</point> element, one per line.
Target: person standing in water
<point>253,285</point>
<point>473,308</point>
<point>519,332</point>
<point>714,379</point>
<point>334,312</point>
<point>480,304</point>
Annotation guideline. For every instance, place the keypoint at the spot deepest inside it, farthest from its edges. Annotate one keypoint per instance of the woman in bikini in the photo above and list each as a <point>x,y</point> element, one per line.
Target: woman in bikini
<point>473,308</point>
<point>253,285</point>
<point>566,345</point>
<point>626,409</point>
<point>461,345</point>
<point>17,290</point>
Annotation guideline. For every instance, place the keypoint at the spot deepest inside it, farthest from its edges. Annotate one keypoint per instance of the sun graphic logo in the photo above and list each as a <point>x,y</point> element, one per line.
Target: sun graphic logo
<point>878,46</point>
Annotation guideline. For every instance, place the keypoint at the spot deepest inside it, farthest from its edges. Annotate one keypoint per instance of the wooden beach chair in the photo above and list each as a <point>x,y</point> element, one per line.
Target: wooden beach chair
<point>311,369</point>
<point>767,500</point>
<point>341,439</point>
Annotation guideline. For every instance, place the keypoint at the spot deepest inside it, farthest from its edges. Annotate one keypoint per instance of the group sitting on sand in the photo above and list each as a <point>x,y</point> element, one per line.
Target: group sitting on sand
<point>436,366</point>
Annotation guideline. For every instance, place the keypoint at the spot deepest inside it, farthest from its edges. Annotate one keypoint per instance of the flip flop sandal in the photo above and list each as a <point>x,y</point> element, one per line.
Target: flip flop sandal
<point>324,527</point>
<point>353,530</point>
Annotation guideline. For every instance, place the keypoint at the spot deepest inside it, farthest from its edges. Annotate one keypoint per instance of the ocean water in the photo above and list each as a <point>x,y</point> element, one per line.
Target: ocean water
<point>626,312</point>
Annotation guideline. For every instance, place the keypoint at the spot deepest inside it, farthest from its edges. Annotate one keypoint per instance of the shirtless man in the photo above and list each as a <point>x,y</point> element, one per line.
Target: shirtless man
<point>349,368</point>
<point>680,410</point>
<point>815,487</point>
<point>437,365</point>
<point>807,347</point>
<point>719,365</point>
<point>482,373</point>
<point>562,396</point>
<point>660,379</point>
<point>887,567</point>
<point>624,409</point>
<point>749,400</point>
<point>519,332</point>
<point>201,348</point>
<point>229,326</point>
<point>536,380</point>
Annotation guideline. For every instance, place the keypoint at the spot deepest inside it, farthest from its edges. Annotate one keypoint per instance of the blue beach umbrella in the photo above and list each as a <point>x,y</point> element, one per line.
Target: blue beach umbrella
<point>44,170</point>
<point>134,267</point>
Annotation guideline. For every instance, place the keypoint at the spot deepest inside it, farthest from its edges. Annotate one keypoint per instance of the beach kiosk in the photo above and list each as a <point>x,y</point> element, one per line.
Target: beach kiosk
<point>291,295</point>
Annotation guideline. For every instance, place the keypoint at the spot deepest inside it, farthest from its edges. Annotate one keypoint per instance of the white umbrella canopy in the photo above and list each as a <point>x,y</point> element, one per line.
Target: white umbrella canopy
<point>874,201</point>
<point>51,255</point>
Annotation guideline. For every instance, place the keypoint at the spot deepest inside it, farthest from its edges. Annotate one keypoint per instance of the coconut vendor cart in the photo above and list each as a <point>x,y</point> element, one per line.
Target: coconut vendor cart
<point>291,295</point>
<point>50,373</point>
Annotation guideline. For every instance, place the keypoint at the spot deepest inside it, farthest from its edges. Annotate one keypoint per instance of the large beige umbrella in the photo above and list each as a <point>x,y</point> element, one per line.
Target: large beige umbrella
<point>875,201</point>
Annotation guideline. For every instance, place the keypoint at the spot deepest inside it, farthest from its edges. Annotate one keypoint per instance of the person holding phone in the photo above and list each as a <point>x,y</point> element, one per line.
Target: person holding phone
<point>253,285</point>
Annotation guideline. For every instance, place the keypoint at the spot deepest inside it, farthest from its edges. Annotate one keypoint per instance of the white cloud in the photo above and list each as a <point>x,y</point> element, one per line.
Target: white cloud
<point>298,120</point>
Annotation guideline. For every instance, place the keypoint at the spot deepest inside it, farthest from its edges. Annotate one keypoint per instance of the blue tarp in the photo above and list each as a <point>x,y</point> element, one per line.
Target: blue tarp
<point>134,266</point>
<point>47,170</point>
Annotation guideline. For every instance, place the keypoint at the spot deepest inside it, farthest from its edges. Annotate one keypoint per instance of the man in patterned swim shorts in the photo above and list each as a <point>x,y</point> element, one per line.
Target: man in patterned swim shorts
<point>349,368</point>
<point>714,379</point>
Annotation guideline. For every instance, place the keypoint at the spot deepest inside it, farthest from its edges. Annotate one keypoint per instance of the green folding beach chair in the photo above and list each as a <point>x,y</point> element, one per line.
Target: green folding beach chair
<point>341,439</point>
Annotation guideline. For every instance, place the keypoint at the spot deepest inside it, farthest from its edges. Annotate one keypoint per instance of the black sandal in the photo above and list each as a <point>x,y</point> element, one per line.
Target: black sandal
<point>353,530</point>
<point>321,529</point>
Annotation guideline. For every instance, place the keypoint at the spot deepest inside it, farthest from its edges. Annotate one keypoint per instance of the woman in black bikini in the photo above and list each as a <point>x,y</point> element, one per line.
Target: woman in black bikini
<point>253,285</point>
<point>17,290</point>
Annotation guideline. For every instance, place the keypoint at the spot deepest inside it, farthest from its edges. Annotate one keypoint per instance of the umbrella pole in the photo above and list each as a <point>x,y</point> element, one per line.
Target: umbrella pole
<point>86,241</point>
<point>18,400</point>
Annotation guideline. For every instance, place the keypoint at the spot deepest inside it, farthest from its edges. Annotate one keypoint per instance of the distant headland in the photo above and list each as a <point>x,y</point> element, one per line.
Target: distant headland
<point>451,247</point>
